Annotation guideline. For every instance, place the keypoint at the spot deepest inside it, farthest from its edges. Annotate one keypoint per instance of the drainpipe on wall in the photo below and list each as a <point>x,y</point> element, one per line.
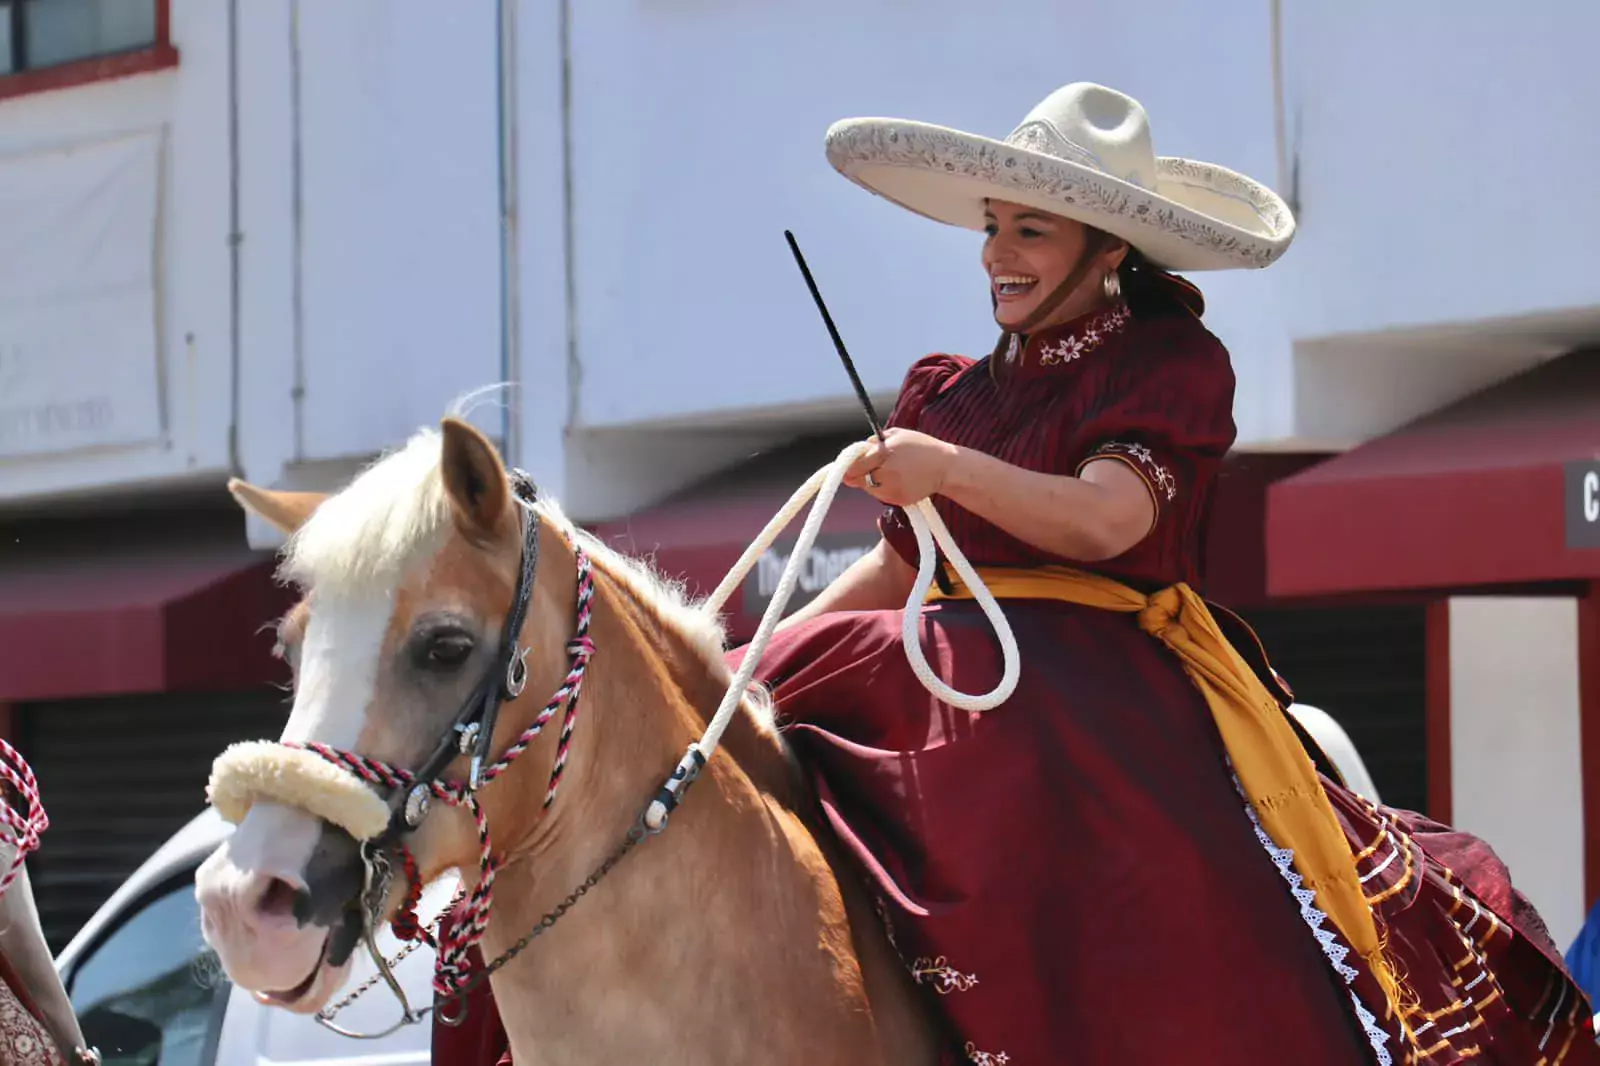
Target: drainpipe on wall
<point>510,261</point>
<point>568,228</point>
<point>297,391</point>
<point>1288,173</point>
<point>235,238</point>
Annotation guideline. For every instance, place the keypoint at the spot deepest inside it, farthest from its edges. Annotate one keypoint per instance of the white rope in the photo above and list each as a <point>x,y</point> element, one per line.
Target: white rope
<point>928,527</point>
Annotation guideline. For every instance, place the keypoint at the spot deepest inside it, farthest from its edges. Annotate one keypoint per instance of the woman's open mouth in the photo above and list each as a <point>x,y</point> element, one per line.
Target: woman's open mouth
<point>1013,286</point>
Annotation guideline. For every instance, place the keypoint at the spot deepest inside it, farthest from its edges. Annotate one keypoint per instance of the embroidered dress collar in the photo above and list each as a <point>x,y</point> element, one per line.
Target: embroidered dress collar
<point>1056,348</point>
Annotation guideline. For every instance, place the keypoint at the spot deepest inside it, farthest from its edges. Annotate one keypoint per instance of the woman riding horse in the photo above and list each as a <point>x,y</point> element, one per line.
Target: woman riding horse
<point>37,1026</point>
<point>1133,859</point>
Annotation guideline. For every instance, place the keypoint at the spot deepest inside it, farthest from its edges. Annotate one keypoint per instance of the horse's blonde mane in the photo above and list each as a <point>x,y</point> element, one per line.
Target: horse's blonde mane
<point>668,600</point>
<point>365,537</point>
<point>395,514</point>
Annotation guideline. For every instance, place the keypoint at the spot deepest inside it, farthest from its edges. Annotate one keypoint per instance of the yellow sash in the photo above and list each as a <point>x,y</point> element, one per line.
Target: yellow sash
<point>1272,765</point>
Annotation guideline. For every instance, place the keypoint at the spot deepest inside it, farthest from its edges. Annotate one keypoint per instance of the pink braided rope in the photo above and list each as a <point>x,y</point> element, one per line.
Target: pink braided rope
<point>371,771</point>
<point>451,969</point>
<point>579,649</point>
<point>23,830</point>
<point>407,925</point>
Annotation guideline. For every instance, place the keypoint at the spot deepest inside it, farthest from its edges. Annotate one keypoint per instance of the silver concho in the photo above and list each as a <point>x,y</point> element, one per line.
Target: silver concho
<point>417,805</point>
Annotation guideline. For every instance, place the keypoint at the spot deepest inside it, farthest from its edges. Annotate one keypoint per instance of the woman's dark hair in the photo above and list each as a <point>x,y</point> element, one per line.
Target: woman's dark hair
<point>1152,292</point>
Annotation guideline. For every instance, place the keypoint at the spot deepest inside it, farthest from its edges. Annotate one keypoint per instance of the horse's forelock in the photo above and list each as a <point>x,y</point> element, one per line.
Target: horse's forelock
<point>367,536</point>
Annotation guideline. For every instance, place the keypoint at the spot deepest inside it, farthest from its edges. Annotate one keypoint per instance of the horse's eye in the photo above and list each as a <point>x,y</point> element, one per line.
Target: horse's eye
<point>445,651</point>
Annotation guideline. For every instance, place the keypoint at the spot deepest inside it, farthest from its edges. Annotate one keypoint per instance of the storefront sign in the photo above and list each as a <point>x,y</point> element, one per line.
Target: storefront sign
<point>78,351</point>
<point>831,555</point>
<point>1583,504</point>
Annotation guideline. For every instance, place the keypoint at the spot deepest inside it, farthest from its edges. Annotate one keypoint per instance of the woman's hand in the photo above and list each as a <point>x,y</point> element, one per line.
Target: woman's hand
<point>906,466</point>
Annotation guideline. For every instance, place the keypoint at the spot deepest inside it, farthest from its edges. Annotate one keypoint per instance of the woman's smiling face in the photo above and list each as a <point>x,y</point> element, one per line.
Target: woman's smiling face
<point>1028,254</point>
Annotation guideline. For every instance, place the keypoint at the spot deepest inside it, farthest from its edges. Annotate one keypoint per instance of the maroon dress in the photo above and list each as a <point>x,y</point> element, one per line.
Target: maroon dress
<point>1073,877</point>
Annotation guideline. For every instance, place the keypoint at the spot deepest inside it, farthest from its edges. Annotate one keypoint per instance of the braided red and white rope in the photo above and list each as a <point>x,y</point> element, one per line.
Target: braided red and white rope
<point>406,924</point>
<point>23,830</point>
<point>451,971</point>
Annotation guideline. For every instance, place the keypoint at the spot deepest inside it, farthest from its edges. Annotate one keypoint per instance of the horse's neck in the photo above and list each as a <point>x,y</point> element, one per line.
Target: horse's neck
<point>721,940</point>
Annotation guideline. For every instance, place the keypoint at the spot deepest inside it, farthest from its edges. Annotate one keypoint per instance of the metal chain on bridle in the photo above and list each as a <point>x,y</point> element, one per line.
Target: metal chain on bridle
<point>472,733</point>
<point>410,1015</point>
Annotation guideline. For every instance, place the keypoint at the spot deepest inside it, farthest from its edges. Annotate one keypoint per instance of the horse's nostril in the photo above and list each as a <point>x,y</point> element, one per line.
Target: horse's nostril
<point>279,899</point>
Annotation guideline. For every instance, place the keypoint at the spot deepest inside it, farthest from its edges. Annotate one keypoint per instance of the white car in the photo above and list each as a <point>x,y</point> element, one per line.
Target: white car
<point>148,991</point>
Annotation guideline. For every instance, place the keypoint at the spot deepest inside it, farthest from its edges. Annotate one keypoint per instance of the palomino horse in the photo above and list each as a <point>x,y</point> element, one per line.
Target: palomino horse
<point>437,586</point>
<point>37,1025</point>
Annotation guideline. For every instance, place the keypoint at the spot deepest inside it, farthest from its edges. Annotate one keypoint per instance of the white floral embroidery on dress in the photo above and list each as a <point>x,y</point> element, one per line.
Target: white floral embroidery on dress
<point>1160,477</point>
<point>1065,351</point>
<point>941,976</point>
<point>1165,481</point>
<point>944,979</point>
<point>1097,331</point>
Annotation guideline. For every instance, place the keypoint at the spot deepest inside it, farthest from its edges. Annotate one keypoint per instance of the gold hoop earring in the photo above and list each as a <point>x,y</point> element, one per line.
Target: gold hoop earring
<point>1112,284</point>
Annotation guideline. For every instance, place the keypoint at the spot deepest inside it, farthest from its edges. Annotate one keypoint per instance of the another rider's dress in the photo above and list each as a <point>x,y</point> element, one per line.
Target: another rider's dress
<point>24,1039</point>
<point>1073,876</point>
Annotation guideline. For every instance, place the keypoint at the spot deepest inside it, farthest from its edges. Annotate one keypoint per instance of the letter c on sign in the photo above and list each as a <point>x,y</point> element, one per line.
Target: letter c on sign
<point>1591,496</point>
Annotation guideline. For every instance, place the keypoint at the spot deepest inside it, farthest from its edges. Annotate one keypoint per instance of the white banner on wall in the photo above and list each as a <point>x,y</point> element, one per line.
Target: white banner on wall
<point>79,355</point>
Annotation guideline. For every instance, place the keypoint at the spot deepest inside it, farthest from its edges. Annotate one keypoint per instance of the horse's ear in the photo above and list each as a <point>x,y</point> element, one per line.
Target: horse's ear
<point>286,511</point>
<point>474,479</point>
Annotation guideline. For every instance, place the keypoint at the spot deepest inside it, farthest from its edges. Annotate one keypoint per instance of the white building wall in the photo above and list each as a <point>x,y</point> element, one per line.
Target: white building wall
<point>1446,199</point>
<point>368,201</point>
<point>185,241</point>
<point>401,225</point>
<point>1444,170</point>
<point>656,325</point>
<point>369,139</point>
<point>1516,764</point>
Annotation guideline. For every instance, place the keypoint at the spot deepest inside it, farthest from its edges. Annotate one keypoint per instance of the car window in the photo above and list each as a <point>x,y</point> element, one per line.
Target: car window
<point>147,995</point>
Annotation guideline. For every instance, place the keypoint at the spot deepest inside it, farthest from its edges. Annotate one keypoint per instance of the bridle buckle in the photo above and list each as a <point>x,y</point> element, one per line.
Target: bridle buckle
<point>517,674</point>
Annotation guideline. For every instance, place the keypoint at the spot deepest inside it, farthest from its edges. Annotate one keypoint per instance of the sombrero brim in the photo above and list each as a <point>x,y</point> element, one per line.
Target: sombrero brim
<point>1199,216</point>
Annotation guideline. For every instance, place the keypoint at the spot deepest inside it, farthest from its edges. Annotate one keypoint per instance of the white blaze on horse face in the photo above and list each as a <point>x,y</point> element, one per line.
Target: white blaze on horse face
<point>339,662</point>
<point>338,674</point>
<point>339,669</point>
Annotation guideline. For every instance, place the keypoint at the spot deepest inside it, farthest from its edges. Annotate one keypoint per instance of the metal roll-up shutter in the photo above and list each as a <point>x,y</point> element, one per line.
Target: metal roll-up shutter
<point>1367,667</point>
<point>118,776</point>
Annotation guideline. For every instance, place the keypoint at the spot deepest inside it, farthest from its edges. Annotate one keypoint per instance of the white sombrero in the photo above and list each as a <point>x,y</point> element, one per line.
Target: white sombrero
<point>1084,153</point>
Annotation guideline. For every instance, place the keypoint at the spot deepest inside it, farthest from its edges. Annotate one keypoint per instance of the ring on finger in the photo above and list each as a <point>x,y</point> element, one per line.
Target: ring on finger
<point>873,481</point>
